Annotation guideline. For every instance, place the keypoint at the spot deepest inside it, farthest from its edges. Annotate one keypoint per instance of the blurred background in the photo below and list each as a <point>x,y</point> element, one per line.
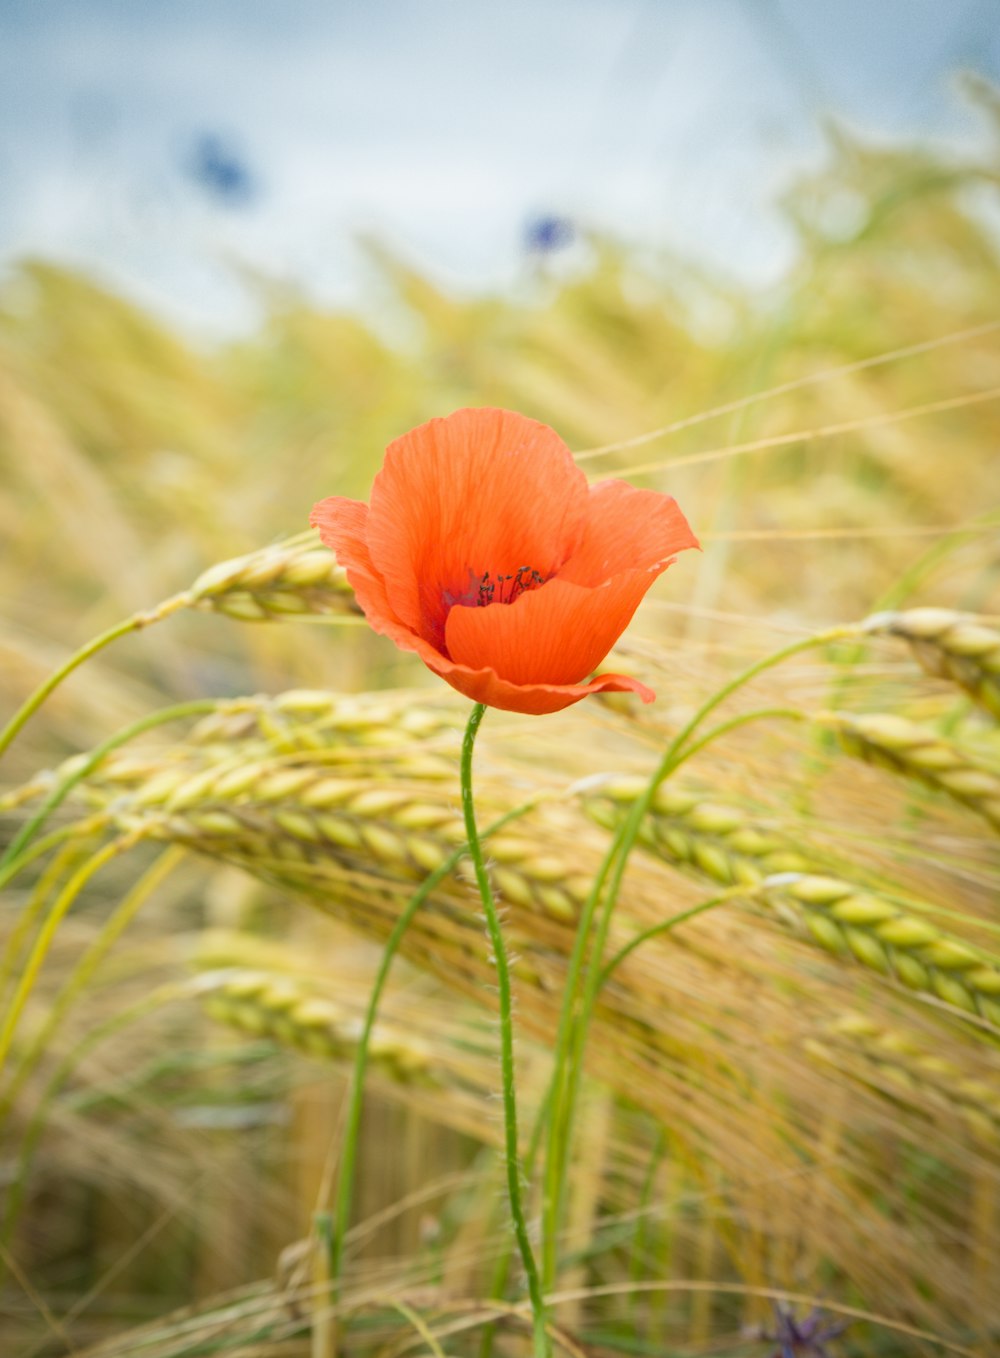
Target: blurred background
<point>747,252</point>
<point>172,148</point>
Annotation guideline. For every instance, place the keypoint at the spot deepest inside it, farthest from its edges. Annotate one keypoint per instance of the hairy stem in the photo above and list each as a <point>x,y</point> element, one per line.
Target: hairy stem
<point>511,1156</point>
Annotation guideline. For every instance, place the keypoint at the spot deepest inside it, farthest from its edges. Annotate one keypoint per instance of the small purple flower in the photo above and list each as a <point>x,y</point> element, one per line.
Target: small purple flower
<point>805,1338</point>
<point>545,234</point>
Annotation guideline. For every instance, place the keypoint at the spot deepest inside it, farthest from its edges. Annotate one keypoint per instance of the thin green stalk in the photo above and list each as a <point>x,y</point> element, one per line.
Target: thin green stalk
<point>348,1154</point>
<point>642,1221</point>
<point>501,1268</point>
<point>43,942</point>
<point>576,1010</point>
<point>667,925</point>
<point>63,861</point>
<point>133,624</point>
<point>511,1155</point>
<point>196,708</point>
<point>111,931</point>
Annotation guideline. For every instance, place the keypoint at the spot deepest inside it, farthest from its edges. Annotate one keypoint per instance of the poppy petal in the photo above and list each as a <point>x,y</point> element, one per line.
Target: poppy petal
<point>479,491</point>
<point>557,634</point>
<point>484,686</point>
<point>342,524</point>
<point>627,529</point>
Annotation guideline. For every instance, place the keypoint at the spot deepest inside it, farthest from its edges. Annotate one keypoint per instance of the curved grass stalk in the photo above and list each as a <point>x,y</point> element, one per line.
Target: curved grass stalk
<point>76,834</point>
<point>9,862</point>
<point>43,942</point>
<point>823,431</point>
<point>785,388</point>
<point>668,925</point>
<point>133,624</point>
<point>112,930</point>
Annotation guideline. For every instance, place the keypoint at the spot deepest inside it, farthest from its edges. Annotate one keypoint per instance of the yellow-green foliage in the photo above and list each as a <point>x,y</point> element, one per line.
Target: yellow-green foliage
<point>793,1090</point>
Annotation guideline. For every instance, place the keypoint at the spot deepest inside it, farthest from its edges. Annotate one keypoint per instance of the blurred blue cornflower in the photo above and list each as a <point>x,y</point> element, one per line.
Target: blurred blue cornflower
<point>547,233</point>
<point>218,168</point>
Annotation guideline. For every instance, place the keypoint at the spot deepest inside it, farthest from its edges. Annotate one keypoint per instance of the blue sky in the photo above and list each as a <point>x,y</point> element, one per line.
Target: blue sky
<point>168,144</point>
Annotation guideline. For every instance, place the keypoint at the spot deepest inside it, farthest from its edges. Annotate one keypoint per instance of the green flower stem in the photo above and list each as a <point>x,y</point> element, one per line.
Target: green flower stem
<point>576,1009</point>
<point>511,1156</point>
<point>501,1268</point>
<point>133,624</point>
<point>349,1149</point>
<point>9,863</point>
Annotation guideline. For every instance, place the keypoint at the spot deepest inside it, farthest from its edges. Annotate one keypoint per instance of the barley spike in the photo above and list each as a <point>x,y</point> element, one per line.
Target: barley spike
<point>950,645</point>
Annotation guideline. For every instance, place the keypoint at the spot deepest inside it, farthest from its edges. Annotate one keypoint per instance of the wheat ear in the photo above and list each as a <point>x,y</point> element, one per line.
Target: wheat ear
<point>910,749</point>
<point>719,842</point>
<point>904,1068</point>
<point>950,645</point>
<point>295,577</point>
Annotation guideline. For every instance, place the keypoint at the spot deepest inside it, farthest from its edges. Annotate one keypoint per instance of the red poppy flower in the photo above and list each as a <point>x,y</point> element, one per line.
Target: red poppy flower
<point>485,552</point>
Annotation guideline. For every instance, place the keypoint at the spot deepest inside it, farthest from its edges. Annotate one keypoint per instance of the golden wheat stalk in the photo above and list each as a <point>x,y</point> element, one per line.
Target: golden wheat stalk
<point>314,719</point>
<point>902,1067</point>
<point>719,842</point>
<point>347,843</point>
<point>914,751</point>
<point>357,734</point>
<point>295,577</point>
<point>267,813</point>
<point>283,1008</point>
<point>950,645</point>
<point>297,821</point>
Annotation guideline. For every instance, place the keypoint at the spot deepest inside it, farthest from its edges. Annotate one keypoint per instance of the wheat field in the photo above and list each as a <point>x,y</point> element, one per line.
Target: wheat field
<point>791,1101</point>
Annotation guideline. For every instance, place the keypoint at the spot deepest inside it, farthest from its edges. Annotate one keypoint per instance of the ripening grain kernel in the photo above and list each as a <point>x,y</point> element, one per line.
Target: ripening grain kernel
<point>867,949</point>
<point>282,782</point>
<point>328,792</point>
<point>825,932</point>
<point>232,783</point>
<point>713,861</point>
<point>986,980</point>
<point>297,825</point>
<point>709,819</point>
<point>425,853</point>
<point>911,972</point>
<point>815,890</point>
<point>511,886</point>
<point>216,823</point>
<point>545,868</point>
<point>420,816</point>
<point>556,903</point>
<point>311,568</point>
<point>383,843</point>
<point>947,988</point>
<point>159,789</point>
<point>339,831</point>
<point>378,801</point>
<point>862,909</point>
<point>905,931</point>
<point>193,789</point>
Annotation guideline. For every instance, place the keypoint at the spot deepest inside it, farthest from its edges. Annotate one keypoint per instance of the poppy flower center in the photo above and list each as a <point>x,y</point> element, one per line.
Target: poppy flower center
<point>504,589</point>
<point>495,588</point>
